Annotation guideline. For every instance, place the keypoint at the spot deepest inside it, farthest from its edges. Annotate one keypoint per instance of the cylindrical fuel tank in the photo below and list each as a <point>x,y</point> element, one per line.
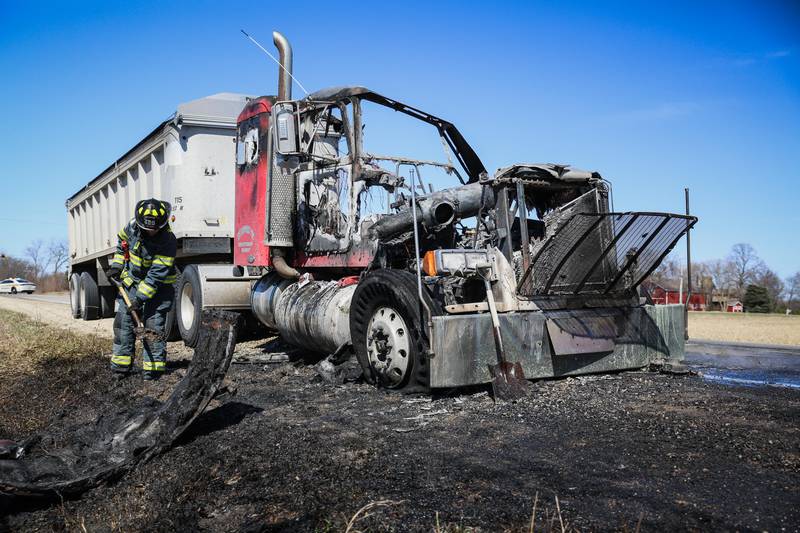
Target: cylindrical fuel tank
<point>313,315</point>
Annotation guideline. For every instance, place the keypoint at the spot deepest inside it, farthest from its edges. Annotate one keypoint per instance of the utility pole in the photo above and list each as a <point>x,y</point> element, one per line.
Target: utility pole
<point>688,271</point>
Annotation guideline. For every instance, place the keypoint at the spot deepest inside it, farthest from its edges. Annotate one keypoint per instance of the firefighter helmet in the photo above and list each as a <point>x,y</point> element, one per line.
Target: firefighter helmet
<point>152,214</point>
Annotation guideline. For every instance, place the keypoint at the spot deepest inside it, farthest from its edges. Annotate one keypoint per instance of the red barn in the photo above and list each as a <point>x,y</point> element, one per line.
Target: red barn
<point>735,306</point>
<point>672,295</point>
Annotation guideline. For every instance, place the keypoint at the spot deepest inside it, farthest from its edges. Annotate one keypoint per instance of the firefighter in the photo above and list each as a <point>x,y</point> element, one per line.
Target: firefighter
<point>145,265</point>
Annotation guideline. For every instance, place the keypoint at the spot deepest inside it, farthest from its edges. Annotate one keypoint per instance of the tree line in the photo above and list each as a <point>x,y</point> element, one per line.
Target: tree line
<point>742,275</point>
<point>42,263</point>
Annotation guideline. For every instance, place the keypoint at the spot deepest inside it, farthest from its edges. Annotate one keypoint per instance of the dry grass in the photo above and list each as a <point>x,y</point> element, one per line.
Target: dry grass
<point>44,369</point>
<point>26,343</point>
<point>745,327</point>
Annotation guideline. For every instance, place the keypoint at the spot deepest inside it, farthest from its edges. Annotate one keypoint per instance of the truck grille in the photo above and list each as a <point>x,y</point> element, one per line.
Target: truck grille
<point>602,253</point>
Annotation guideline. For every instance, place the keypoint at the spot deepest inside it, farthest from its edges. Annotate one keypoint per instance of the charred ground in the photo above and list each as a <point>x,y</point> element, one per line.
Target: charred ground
<point>291,451</point>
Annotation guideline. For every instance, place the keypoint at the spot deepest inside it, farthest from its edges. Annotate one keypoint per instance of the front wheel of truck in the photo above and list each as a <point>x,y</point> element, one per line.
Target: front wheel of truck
<point>389,335</point>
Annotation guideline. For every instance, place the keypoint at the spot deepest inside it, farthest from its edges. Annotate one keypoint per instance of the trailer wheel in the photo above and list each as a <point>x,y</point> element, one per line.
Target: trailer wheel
<point>108,295</point>
<point>171,321</point>
<point>189,303</point>
<point>389,337</point>
<point>75,295</point>
<point>90,297</point>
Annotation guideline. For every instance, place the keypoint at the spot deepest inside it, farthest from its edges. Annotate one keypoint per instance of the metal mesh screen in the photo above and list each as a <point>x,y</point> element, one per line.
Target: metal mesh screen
<point>280,208</point>
<point>602,253</point>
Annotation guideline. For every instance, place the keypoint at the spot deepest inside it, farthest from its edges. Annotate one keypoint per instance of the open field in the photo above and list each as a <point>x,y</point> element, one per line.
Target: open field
<point>745,327</point>
<point>293,452</point>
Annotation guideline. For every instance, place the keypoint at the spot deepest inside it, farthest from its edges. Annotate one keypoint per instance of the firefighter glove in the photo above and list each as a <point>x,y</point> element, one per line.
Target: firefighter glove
<point>114,273</point>
<point>136,305</point>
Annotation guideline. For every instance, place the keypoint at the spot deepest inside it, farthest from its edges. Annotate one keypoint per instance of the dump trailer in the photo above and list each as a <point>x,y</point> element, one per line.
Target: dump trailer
<point>525,269</point>
<point>186,160</point>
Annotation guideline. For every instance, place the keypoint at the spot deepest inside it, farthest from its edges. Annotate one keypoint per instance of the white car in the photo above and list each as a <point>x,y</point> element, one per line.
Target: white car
<point>15,285</point>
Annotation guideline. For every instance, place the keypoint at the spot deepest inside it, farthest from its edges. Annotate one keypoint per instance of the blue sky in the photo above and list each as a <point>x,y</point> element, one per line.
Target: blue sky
<point>654,97</point>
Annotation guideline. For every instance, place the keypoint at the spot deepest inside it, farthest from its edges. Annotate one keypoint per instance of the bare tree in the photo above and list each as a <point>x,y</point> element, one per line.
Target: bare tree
<point>746,264</point>
<point>58,255</point>
<point>667,273</point>
<point>792,289</point>
<point>36,254</point>
<point>12,267</point>
<point>722,274</point>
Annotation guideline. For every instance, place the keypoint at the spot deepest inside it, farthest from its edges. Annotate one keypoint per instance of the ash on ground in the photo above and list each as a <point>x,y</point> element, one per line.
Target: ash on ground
<point>294,452</point>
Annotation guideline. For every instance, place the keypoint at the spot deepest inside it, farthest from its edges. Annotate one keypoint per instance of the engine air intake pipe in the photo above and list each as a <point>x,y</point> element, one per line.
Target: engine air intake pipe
<point>438,209</point>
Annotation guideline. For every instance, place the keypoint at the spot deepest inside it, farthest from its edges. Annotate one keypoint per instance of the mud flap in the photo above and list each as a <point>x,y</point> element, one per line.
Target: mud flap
<point>112,445</point>
<point>582,331</point>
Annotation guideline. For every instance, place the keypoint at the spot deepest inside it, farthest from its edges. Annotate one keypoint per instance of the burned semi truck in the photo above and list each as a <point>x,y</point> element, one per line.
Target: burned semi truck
<point>355,250</point>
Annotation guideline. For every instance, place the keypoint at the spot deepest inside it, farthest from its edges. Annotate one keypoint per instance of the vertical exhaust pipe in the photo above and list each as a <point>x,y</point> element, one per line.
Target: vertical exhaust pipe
<point>278,255</point>
<point>285,70</point>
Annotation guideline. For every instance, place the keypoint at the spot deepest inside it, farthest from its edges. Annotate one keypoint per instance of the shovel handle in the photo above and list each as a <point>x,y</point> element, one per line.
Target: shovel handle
<point>127,301</point>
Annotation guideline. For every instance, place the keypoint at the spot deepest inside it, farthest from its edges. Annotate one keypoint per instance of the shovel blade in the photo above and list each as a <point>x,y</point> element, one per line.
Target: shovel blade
<point>508,381</point>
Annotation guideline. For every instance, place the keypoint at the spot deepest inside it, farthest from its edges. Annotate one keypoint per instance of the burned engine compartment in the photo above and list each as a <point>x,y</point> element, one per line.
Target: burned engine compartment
<point>322,148</point>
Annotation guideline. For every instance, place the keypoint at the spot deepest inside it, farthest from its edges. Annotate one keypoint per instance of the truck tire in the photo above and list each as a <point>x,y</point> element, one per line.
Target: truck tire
<point>171,322</point>
<point>188,305</point>
<point>389,337</point>
<point>108,296</point>
<point>90,297</point>
<point>75,295</point>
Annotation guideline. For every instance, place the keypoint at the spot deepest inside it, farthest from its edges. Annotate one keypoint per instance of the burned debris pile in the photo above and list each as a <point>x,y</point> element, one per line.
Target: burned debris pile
<point>113,444</point>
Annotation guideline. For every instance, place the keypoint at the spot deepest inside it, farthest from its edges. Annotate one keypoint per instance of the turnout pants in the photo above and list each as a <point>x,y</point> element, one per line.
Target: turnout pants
<point>154,315</point>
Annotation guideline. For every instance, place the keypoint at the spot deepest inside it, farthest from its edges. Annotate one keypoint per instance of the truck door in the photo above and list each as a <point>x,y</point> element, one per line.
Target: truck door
<point>324,182</point>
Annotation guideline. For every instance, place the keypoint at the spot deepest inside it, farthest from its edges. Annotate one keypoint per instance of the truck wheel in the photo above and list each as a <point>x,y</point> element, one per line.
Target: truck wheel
<point>189,303</point>
<point>75,295</point>
<point>108,295</point>
<point>171,322</point>
<point>90,297</point>
<point>389,337</point>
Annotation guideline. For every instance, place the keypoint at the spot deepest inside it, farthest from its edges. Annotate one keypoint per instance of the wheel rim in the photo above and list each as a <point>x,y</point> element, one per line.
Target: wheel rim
<point>187,306</point>
<point>388,345</point>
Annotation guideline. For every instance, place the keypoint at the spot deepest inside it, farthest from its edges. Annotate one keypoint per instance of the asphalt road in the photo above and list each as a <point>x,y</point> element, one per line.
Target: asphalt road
<point>738,363</point>
<point>54,297</point>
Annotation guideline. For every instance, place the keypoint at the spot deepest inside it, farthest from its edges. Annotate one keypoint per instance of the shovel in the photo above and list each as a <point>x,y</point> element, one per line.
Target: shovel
<point>146,334</point>
<point>508,379</point>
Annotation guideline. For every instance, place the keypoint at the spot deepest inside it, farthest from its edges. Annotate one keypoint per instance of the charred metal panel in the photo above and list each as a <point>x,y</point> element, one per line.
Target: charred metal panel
<point>583,331</point>
<point>464,345</point>
<point>669,319</point>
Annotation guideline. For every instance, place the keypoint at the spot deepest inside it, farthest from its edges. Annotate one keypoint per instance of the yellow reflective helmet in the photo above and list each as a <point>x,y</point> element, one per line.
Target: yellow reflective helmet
<point>152,214</point>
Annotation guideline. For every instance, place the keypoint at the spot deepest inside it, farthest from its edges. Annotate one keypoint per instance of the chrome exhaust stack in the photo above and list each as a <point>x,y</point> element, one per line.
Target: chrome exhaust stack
<point>285,70</point>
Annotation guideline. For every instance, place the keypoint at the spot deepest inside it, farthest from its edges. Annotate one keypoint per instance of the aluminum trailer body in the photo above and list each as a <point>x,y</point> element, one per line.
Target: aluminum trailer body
<point>186,160</point>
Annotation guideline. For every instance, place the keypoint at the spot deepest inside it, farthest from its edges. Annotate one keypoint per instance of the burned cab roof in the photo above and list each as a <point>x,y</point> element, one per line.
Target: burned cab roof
<point>551,173</point>
<point>458,144</point>
<point>337,93</point>
<point>548,185</point>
